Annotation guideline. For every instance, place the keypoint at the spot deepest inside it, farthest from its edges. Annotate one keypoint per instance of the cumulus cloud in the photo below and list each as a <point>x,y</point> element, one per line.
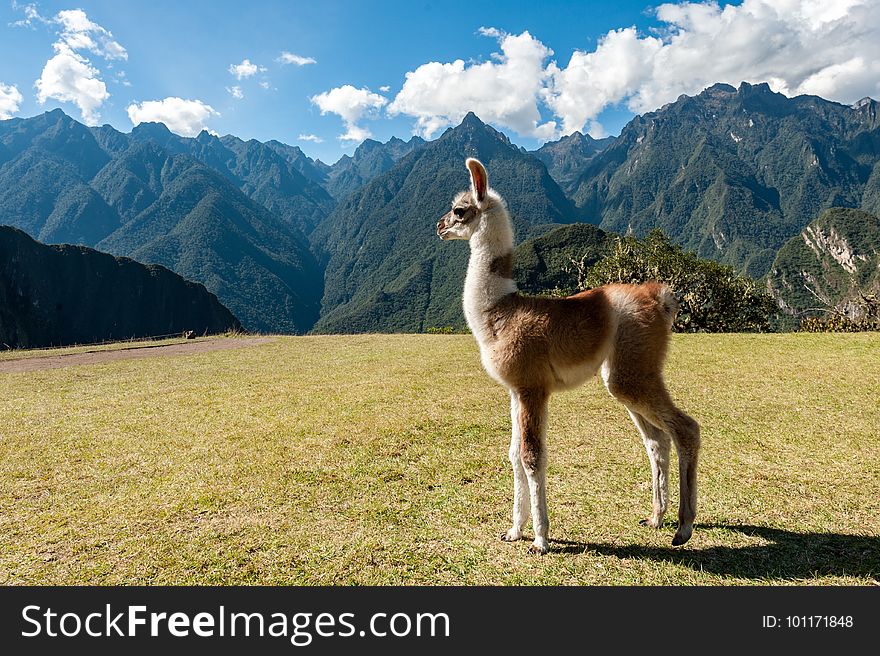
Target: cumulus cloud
<point>10,100</point>
<point>245,69</point>
<point>297,60</point>
<point>350,104</point>
<point>69,76</point>
<point>817,47</point>
<point>505,91</point>
<point>829,48</point>
<point>314,138</point>
<point>80,33</point>
<point>184,117</point>
<point>236,92</point>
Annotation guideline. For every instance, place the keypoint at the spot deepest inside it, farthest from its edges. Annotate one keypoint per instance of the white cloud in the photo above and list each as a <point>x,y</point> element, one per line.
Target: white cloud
<point>850,80</point>
<point>265,84</point>
<point>492,32</point>
<point>245,69</point>
<point>505,91</point>
<point>820,47</point>
<point>76,31</point>
<point>184,117</point>
<point>829,48</point>
<point>385,89</point>
<point>290,58</point>
<point>80,33</point>
<point>10,100</point>
<point>70,77</point>
<point>351,105</point>
<point>31,15</point>
<point>314,138</point>
<point>594,80</point>
<point>236,92</point>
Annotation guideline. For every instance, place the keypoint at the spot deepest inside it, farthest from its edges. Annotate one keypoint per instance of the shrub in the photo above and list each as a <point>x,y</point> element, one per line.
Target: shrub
<point>440,330</point>
<point>712,296</point>
<point>867,313</point>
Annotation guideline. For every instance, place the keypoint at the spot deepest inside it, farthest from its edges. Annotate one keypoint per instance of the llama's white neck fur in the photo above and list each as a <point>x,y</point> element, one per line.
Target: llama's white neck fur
<point>483,287</point>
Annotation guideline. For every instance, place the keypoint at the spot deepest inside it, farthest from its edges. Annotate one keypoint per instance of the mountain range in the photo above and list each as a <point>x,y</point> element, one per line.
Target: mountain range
<point>291,244</point>
<point>386,269</point>
<point>226,213</point>
<point>566,158</point>
<point>732,174</point>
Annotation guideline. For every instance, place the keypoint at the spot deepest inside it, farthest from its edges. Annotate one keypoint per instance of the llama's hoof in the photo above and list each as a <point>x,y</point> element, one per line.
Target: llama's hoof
<point>539,546</point>
<point>511,535</point>
<point>650,521</point>
<point>682,535</point>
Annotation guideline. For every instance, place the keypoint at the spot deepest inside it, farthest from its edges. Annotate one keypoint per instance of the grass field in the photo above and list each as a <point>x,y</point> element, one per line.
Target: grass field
<point>382,459</point>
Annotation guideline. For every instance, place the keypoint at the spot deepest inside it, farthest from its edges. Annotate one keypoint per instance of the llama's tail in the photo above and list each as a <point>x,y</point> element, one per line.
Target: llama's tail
<point>667,302</point>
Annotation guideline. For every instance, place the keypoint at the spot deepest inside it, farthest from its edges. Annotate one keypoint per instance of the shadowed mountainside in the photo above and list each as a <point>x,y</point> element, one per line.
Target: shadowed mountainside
<point>56,295</point>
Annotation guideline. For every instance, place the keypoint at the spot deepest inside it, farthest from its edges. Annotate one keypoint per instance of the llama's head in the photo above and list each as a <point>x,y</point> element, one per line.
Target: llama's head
<point>471,209</point>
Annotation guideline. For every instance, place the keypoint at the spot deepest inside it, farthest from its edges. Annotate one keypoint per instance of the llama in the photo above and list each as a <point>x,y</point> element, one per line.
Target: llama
<point>534,346</point>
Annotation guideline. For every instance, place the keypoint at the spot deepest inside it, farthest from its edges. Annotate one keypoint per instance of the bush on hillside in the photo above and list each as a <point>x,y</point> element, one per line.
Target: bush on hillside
<point>867,313</point>
<point>712,296</point>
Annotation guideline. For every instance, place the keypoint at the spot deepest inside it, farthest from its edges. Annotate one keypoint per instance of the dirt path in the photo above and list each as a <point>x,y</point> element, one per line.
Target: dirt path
<point>97,357</point>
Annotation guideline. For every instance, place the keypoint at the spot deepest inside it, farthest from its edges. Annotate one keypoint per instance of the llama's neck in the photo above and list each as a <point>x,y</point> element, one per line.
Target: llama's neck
<point>490,268</point>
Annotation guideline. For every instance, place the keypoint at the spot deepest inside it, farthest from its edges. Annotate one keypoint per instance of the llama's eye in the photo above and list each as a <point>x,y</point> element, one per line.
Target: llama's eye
<point>458,211</point>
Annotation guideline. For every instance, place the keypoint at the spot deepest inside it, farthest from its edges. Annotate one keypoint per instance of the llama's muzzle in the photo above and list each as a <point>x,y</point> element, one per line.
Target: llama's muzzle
<point>443,225</point>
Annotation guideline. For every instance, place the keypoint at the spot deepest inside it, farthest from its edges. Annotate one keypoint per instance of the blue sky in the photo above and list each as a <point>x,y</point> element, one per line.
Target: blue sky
<point>382,69</point>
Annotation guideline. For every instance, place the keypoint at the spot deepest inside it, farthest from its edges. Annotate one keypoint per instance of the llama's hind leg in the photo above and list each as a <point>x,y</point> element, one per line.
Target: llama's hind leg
<point>648,397</point>
<point>533,454</point>
<point>520,485</point>
<point>685,433</point>
<point>657,445</point>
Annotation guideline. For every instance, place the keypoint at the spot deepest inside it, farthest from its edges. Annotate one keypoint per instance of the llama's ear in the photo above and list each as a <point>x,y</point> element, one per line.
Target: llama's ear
<point>479,178</point>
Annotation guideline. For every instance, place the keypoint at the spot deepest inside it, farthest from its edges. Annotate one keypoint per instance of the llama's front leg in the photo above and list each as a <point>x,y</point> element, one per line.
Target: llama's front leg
<point>520,486</point>
<point>533,454</point>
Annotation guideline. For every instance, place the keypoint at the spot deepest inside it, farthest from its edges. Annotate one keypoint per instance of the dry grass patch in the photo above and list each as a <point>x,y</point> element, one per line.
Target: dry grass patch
<point>382,459</point>
<point>20,354</point>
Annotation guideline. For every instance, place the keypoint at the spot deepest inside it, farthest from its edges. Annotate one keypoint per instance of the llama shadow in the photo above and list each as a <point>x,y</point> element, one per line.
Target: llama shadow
<point>785,555</point>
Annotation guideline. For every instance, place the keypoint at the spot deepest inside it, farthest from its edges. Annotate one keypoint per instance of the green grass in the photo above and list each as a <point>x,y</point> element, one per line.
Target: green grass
<point>382,459</point>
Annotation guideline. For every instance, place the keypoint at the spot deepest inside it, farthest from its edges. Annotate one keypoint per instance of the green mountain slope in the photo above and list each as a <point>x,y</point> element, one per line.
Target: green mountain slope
<point>205,229</point>
<point>544,263</point>
<point>828,263</point>
<point>312,169</point>
<point>45,163</point>
<point>56,295</point>
<point>132,181</point>
<point>257,169</point>
<point>220,212</point>
<point>732,174</point>
<point>369,160</point>
<point>385,267</point>
<point>566,158</point>
<point>871,194</point>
